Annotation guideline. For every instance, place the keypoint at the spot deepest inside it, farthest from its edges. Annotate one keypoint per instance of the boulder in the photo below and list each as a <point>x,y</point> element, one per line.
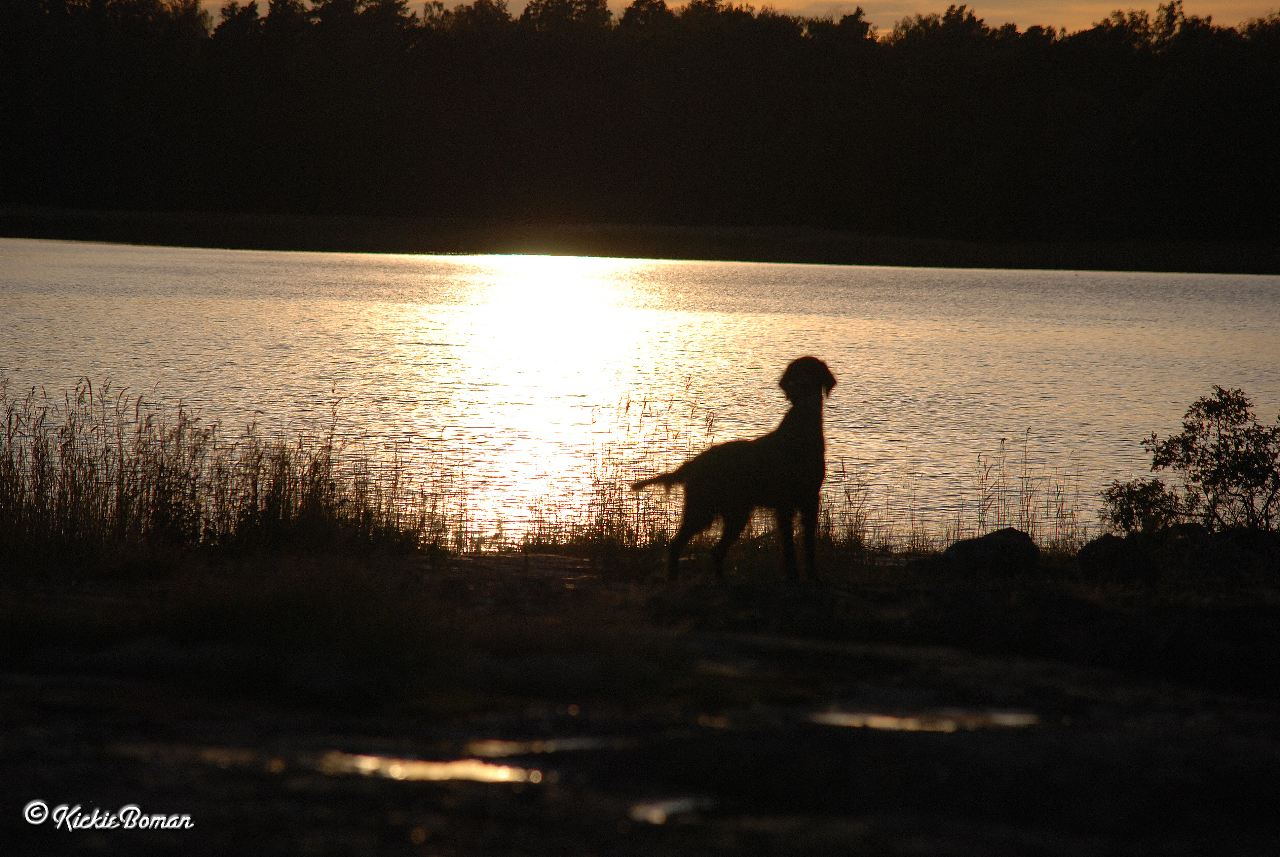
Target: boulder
<point>1112,556</point>
<point>1007,551</point>
<point>1182,551</point>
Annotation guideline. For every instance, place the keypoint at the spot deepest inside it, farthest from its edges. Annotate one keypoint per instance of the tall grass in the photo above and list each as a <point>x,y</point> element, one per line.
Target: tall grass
<point>645,436</point>
<point>102,476</point>
<point>649,436</point>
<point>1047,506</point>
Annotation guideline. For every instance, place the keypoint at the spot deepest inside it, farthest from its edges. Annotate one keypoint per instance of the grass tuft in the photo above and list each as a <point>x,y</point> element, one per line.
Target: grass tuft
<point>103,479</point>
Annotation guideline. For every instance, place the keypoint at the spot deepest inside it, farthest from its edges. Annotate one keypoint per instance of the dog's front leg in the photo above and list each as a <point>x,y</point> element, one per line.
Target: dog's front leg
<point>809,532</point>
<point>785,520</point>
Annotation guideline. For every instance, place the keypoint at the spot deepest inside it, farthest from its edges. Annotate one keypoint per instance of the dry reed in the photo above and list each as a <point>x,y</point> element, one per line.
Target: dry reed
<point>108,478</point>
<point>102,475</point>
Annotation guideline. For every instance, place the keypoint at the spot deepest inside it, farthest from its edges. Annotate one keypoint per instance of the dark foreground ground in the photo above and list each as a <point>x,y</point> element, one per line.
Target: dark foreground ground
<point>288,707</point>
<point>772,244</point>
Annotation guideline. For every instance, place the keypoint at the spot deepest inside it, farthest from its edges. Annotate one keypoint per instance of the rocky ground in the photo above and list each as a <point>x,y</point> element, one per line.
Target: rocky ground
<point>542,705</point>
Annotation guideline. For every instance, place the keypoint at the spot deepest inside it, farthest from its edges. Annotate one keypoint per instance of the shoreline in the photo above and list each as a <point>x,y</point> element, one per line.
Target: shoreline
<point>368,234</point>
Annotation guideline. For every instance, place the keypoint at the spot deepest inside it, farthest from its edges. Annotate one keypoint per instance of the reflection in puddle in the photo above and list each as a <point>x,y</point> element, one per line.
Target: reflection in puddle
<point>413,769</point>
<point>945,721</point>
<point>657,812</point>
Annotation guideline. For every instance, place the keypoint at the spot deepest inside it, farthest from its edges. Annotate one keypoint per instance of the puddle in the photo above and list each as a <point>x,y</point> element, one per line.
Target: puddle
<point>943,721</point>
<point>724,670</point>
<point>496,749</point>
<point>658,812</point>
<point>333,763</point>
<point>226,758</point>
<point>414,769</point>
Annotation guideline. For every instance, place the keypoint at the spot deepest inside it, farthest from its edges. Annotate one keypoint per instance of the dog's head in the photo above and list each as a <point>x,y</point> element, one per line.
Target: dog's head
<point>808,374</point>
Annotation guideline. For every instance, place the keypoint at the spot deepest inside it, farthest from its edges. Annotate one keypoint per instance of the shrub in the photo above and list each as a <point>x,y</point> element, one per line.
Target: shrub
<point>1143,505</point>
<point>1229,464</point>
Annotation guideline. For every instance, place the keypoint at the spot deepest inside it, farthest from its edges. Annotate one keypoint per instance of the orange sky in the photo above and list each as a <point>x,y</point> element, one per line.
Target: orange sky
<point>1071,14</point>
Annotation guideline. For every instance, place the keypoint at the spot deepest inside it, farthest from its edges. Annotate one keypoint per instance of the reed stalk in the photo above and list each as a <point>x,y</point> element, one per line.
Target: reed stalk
<point>101,474</point>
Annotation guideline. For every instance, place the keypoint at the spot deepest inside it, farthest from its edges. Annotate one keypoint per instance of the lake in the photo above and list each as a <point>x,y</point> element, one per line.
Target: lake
<point>529,379</point>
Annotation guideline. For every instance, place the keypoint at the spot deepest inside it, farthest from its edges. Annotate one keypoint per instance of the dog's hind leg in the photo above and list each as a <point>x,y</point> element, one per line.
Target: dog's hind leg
<point>734,523</point>
<point>690,526</point>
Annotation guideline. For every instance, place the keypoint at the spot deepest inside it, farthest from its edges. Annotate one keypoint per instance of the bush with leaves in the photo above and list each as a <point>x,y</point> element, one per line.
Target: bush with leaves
<point>1143,505</point>
<point>1229,465</point>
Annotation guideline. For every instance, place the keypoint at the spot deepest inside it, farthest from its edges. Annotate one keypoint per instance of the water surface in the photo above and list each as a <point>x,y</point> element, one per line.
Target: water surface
<point>519,373</point>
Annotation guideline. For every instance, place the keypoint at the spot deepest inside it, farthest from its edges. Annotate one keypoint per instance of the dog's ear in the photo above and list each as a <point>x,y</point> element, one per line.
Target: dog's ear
<point>828,380</point>
<point>807,373</point>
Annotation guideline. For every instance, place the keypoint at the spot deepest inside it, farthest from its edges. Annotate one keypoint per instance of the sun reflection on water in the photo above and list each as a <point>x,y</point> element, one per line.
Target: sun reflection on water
<point>548,340</point>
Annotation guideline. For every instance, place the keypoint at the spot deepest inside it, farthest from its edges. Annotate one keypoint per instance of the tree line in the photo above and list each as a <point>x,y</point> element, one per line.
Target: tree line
<point>1146,126</point>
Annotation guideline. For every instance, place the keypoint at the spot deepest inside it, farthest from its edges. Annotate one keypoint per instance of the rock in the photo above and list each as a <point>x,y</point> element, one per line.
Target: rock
<point>1007,551</point>
<point>1183,551</point>
<point>1118,557</point>
<point>1254,552</point>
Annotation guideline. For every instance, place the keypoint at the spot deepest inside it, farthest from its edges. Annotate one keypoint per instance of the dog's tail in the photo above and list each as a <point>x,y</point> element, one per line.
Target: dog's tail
<point>666,480</point>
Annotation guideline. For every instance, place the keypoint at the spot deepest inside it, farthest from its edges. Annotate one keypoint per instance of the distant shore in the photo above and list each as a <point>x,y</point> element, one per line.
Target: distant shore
<point>359,234</point>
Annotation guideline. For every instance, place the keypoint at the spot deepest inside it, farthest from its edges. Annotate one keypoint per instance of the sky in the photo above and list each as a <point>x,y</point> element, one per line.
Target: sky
<point>1069,14</point>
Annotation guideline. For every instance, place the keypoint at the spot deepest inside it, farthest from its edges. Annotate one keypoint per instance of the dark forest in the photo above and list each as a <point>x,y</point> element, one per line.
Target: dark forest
<point>1161,126</point>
